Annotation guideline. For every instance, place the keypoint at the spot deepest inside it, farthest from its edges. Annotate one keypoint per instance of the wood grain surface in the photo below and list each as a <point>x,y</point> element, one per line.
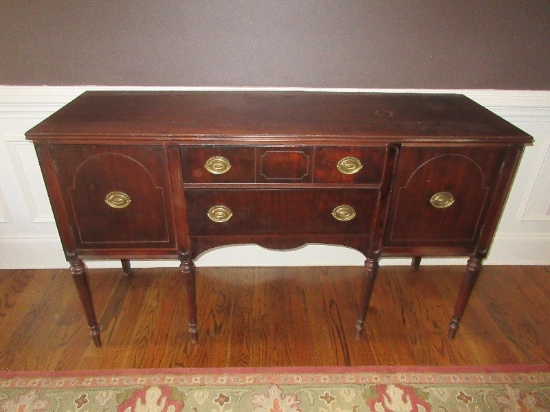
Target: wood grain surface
<point>254,317</point>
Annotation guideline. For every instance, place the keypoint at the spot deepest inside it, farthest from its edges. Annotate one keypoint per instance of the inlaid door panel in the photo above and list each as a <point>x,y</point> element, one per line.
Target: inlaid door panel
<point>117,196</point>
<point>440,195</point>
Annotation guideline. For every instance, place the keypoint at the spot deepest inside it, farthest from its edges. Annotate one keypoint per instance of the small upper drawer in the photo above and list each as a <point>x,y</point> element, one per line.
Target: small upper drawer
<point>218,164</point>
<point>349,164</point>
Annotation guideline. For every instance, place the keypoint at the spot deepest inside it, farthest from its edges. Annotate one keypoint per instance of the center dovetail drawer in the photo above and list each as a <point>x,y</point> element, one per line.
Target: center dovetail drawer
<point>281,164</point>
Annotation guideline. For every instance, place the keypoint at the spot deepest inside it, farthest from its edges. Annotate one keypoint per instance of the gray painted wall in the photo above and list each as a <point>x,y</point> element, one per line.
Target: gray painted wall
<point>488,44</point>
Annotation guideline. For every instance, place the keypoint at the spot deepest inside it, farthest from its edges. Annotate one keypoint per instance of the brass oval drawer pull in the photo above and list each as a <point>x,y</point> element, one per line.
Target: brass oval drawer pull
<point>217,165</point>
<point>343,213</point>
<point>219,213</point>
<point>442,200</point>
<point>117,200</point>
<point>349,165</point>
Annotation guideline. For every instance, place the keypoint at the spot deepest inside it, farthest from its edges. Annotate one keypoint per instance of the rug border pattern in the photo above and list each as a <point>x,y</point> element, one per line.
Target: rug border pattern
<point>504,374</point>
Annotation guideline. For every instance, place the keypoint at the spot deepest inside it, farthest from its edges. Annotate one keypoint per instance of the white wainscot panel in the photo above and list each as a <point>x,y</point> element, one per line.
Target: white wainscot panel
<point>5,216</point>
<point>537,204</point>
<point>27,170</point>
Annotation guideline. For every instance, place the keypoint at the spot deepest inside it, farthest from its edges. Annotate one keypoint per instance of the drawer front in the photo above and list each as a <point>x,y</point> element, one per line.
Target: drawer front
<point>218,164</point>
<point>441,195</point>
<point>362,165</point>
<point>283,211</point>
<point>116,196</point>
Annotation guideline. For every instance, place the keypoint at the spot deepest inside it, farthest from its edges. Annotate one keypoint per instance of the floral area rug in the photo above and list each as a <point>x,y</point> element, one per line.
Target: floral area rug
<point>507,388</point>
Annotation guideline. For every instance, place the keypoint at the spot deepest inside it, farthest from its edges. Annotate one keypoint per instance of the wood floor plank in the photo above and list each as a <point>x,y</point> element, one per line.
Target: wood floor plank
<point>11,288</point>
<point>214,299</point>
<point>240,350</point>
<point>322,327</point>
<point>299,338</point>
<point>482,328</point>
<point>120,316</point>
<point>269,339</point>
<point>158,340</point>
<point>273,317</point>
<point>18,328</point>
<point>535,342</point>
<point>385,331</point>
<point>338,317</point>
<point>424,315</point>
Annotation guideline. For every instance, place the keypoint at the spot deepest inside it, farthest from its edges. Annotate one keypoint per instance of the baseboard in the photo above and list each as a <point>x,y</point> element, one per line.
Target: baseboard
<point>33,252</point>
<point>46,253</point>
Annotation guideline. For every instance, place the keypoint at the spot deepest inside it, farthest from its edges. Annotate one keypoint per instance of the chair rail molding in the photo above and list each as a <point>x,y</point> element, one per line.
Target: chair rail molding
<point>26,220</point>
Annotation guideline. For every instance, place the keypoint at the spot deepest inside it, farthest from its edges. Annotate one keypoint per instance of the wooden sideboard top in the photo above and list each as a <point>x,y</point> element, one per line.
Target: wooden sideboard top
<point>255,115</point>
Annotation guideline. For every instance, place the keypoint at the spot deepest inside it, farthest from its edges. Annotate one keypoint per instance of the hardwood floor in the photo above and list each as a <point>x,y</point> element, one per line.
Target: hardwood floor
<point>273,317</point>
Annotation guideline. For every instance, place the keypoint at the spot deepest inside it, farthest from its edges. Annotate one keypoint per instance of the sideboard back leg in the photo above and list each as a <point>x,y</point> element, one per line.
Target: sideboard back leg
<point>80,277</point>
<point>126,266</point>
<point>369,279</point>
<point>187,268</point>
<point>473,268</point>
<point>415,264</point>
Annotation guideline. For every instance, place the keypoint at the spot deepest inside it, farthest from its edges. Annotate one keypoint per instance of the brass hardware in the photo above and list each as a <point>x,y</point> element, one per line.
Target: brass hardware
<point>442,200</point>
<point>349,165</point>
<point>117,200</point>
<point>217,165</point>
<point>343,213</point>
<point>219,213</point>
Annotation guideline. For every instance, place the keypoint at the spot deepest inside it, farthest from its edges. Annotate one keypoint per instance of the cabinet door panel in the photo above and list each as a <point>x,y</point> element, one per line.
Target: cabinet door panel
<point>117,196</point>
<point>440,195</point>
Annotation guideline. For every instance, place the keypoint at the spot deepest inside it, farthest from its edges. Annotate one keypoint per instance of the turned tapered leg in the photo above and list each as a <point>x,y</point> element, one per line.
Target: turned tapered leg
<point>473,269</point>
<point>187,268</point>
<point>369,278</point>
<point>80,277</point>
<point>126,266</point>
<point>415,264</point>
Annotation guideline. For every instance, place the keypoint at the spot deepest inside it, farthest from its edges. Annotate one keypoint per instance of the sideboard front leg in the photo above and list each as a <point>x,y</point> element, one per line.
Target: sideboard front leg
<point>80,278</point>
<point>473,268</point>
<point>187,268</point>
<point>369,278</point>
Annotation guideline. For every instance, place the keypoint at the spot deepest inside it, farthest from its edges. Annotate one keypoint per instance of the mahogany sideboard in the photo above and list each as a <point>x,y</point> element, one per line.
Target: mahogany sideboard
<point>161,174</point>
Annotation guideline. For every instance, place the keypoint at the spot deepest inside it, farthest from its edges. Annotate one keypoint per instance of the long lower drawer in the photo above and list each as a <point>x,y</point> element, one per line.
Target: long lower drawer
<point>286,211</point>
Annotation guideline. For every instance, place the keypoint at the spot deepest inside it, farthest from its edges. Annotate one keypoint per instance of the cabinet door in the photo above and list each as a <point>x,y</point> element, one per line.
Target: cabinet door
<point>440,195</point>
<point>117,196</point>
